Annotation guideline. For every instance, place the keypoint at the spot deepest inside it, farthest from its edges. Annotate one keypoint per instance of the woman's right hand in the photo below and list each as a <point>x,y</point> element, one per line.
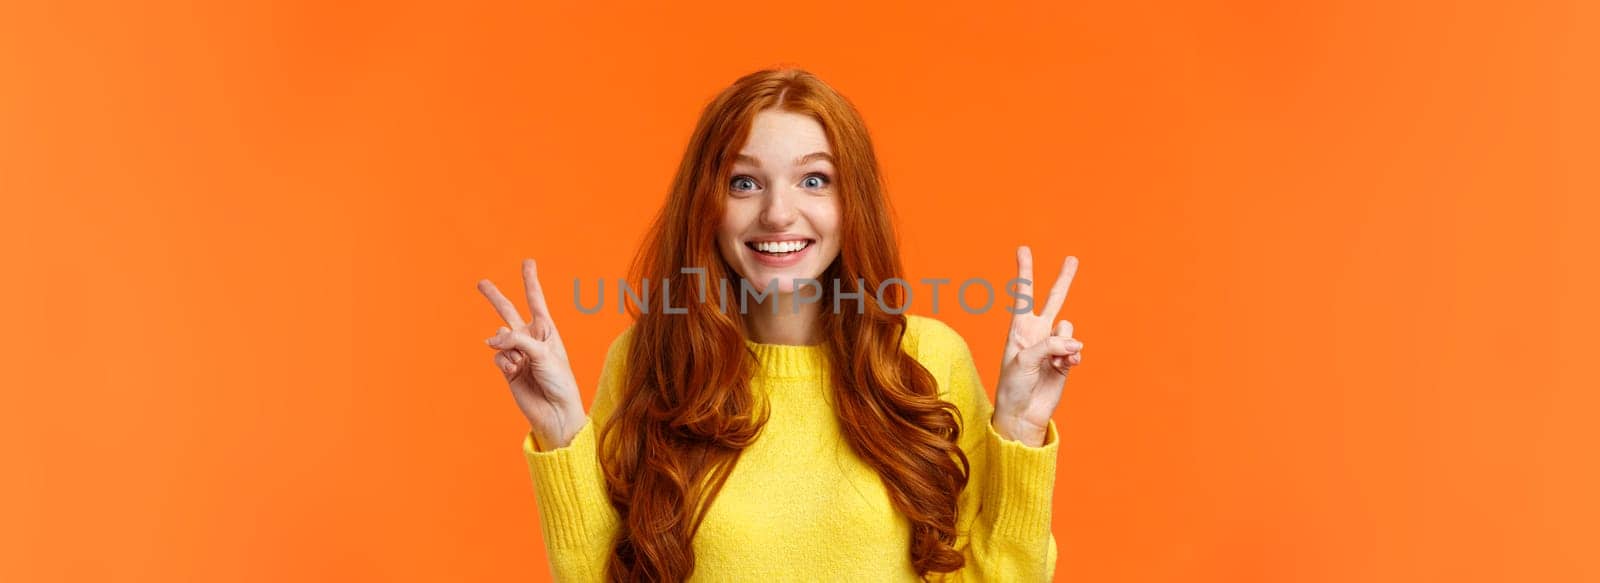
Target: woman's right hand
<point>535,364</point>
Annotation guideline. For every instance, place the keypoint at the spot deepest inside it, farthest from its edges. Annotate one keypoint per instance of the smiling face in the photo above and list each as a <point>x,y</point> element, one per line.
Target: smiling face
<point>782,214</point>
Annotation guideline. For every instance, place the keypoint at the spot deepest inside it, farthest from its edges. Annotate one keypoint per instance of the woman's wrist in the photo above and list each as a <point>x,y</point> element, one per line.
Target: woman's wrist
<point>1020,431</point>
<point>559,432</point>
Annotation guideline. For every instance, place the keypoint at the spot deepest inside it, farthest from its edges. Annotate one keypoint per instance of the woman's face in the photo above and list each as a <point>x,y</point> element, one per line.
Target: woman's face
<point>782,217</point>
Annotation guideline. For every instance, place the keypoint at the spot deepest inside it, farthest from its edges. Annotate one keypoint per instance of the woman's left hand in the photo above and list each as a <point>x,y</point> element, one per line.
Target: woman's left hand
<point>1036,362</point>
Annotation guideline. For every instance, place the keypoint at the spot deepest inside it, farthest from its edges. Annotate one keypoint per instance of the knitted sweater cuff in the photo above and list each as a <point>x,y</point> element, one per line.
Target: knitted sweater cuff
<point>1023,480</point>
<point>573,505</point>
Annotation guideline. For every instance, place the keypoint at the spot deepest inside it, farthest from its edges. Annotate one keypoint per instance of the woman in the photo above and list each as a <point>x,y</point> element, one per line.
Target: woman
<point>827,440</point>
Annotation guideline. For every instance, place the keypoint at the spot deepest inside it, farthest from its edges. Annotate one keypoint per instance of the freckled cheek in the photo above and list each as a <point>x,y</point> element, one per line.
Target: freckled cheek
<point>733,251</point>
<point>733,223</point>
<point>825,219</point>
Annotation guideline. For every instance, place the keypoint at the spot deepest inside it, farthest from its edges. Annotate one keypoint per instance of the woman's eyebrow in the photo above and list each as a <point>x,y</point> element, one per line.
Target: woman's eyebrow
<point>814,156</point>
<point>751,160</point>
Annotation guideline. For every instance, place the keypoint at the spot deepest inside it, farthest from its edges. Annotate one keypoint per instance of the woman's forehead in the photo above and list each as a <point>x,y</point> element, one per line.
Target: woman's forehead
<point>778,138</point>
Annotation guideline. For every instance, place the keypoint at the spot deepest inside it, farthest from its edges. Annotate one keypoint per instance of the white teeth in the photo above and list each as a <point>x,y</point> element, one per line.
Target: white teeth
<point>780,247</point>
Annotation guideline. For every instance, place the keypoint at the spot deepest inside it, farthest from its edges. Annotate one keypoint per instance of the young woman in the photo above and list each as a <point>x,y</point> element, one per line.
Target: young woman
<point>826,440</point>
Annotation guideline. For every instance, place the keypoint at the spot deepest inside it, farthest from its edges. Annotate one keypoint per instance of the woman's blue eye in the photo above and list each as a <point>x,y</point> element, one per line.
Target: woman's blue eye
<point>815,181</point>
<point>742,183</point>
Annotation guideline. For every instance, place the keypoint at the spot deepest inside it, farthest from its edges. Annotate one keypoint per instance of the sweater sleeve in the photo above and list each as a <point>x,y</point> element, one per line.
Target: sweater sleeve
<point>575,512</point>
<point>1003,515</point>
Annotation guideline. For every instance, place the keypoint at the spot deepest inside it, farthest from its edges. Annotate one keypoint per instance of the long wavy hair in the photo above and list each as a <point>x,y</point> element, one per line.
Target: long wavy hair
<point>685,410</point>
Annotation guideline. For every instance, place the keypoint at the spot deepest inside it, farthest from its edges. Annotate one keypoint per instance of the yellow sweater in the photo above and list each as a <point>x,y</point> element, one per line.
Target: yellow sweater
<point>800,505</point>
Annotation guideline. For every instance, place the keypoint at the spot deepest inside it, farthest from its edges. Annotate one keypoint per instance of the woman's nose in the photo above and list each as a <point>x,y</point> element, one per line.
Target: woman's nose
<point>780,210</point>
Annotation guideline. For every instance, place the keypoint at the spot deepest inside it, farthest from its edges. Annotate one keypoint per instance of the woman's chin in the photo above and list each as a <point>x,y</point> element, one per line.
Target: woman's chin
<point>786,281</point>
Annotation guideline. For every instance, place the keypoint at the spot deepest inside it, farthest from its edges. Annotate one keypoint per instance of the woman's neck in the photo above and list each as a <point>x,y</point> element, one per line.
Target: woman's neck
<point>790,324</point>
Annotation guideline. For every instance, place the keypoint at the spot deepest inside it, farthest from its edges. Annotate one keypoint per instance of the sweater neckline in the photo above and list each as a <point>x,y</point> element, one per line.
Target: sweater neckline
<point>789,360</point>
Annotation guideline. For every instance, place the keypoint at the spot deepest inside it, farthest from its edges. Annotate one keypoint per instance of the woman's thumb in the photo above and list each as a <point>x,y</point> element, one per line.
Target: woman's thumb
<point>1051,346</point>
<point>510,339</point>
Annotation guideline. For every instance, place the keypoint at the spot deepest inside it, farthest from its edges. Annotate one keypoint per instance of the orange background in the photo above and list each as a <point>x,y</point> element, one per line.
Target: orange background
<point>1337,283</point>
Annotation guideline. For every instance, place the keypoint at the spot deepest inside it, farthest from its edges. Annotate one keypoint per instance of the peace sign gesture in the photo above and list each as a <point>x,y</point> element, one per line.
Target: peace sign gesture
<point>534,362</point>
<point>1036,362</point>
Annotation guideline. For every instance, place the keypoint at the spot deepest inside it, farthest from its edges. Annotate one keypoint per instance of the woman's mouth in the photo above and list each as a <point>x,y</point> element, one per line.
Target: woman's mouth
<point>779,248</point>
<point>779,253</point>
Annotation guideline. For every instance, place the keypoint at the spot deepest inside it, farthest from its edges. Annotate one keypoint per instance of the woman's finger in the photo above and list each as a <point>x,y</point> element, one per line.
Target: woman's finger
<point>530,285</point>
<point>503,362</point>
<point>1058,291</point>
<point>503,306</point>
<point>501,339</point>
<point>1025,286</point>
<point>1051,346</point>
<point>511,339</point>
<point>1064,329</point>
